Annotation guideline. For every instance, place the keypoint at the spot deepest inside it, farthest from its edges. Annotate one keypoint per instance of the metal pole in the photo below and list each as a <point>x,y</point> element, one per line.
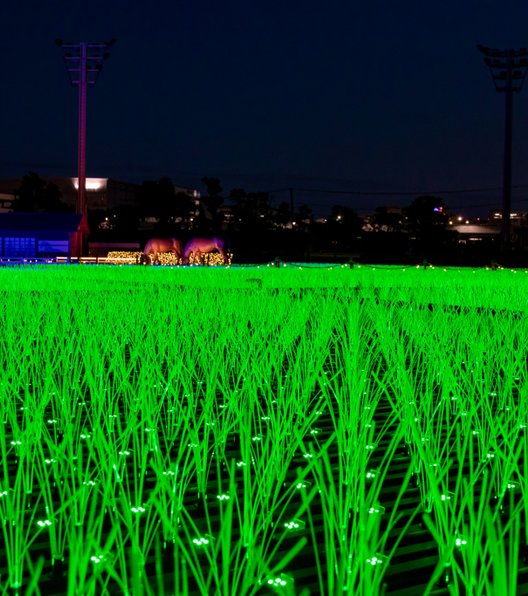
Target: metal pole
<point>81,150</point>
<point>507,173</point>
<point>508,70</point>
<point>83,62</point>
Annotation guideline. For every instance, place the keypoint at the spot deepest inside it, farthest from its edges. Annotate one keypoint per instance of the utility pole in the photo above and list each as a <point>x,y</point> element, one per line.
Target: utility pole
<point>84,62</point>
<point>292,210</point>
<point>508,70</point>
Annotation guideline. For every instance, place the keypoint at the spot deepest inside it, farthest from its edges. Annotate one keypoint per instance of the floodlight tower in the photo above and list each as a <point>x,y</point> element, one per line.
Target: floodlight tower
<point>508,70</point>
<point>84,62</point>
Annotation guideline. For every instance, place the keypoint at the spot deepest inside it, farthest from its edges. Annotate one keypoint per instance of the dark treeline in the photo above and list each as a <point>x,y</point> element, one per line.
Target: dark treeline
<point>258,230</point>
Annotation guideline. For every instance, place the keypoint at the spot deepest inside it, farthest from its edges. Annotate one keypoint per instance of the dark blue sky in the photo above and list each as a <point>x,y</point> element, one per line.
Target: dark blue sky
<point>379,95</point>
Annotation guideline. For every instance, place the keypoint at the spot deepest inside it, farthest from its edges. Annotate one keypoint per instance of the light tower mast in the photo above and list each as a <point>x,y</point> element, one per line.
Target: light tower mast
<point>508,70</point>
<point>84,62</point>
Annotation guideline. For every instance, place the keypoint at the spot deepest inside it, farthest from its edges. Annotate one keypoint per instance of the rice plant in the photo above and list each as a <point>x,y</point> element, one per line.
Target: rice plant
<point>207,429</point>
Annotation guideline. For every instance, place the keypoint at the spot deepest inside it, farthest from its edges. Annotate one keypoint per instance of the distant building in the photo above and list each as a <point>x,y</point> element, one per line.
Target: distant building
<point>6,202</point>
<point>191,192</point>
<point>37,234</point>
<point>519,216</point>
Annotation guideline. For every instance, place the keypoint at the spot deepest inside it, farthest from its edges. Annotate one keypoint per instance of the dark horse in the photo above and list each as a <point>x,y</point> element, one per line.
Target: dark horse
<point>199,246</point>
<point>161,245</point>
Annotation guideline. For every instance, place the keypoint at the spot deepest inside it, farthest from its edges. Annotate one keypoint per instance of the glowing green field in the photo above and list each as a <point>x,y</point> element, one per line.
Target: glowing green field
<point>260,430</point>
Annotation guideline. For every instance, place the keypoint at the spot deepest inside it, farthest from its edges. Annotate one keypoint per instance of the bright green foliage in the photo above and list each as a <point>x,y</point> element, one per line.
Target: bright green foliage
<point>213,413</point>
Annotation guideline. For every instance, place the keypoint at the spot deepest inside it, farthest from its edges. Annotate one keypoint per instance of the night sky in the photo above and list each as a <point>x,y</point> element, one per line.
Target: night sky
<point>373,96</point>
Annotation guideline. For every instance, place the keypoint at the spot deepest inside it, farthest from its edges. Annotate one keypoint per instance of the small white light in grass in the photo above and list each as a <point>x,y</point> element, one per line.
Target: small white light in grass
<point>376,509</point>
<point>168,473</point>
<point>257,438</point>
<point>85,436</point>
<point>15,443</point>
<point>375,561</point>
<point>45,523</point>
<point>223,497</point>
<point>125,453</point>
<point>3,494</point>
<point>295,524</point>
<point>89,483</point>
<point>112,415</point>
<point>138,509</point>
<point>493,394</point>
<point>50,461</point>
<point>460,542</point>
<point>490,455</point>
<point>445,497</point>
<point>97,558</point>
<point>193,445</point>
<point>266,418</point>
<point>371,474</point>
<point>307,455</point>
<point>476,433</point>
<point>371,446</point>
<point>241,464</point>
<point>300,485</point>
<point>277,582</point>
<point>200,541</point>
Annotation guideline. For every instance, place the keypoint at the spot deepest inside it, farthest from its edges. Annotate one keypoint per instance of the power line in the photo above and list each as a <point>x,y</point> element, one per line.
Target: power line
<point>393,193</point>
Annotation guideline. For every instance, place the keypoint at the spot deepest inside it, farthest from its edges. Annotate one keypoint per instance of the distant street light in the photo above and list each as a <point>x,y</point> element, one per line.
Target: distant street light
<point>84,62</point>
<point>508,70</point>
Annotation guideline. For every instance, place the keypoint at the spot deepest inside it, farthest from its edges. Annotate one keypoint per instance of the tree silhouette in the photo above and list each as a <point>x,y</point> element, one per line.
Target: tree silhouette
<point>157,199</point>
<point>209,217</point>
<point>388,220</point>
<point>214,188</point>
<point>304,214</point>
<point>35,194</point>
<point>282,216</point>
<point>427,214</point>
<point>346,218</point>
<point>251,210</point>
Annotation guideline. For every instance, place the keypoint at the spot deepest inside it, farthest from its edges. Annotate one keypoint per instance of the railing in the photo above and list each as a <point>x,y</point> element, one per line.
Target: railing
<point>19,261</point>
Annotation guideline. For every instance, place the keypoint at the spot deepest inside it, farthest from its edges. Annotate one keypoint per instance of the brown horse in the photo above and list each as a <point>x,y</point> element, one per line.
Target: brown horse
<point>200,246</point>
<point>161,245</point>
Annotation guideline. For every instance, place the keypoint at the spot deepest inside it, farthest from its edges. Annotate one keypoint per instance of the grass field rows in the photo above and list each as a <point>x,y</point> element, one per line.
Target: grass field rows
<point>263,430</point>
